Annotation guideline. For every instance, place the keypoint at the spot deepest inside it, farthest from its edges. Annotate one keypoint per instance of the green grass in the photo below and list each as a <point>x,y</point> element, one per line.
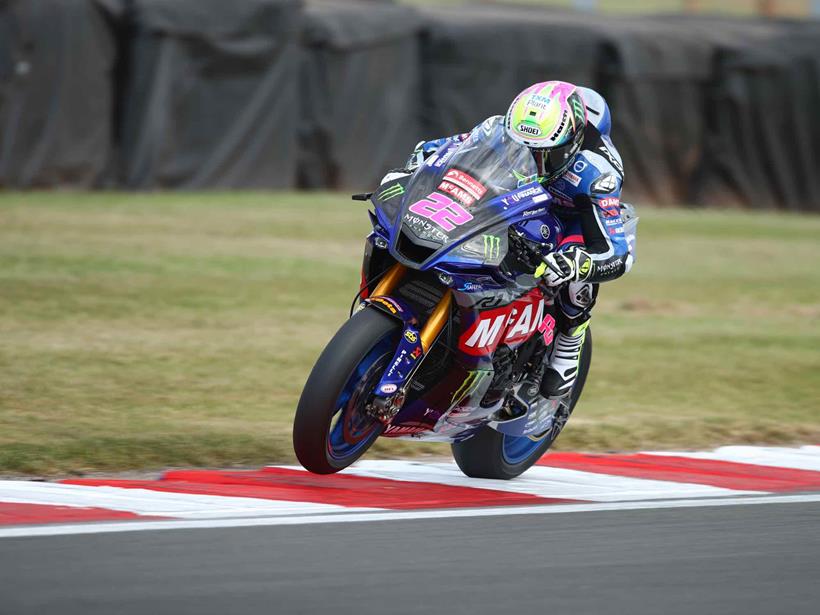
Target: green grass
<point>142,331</point>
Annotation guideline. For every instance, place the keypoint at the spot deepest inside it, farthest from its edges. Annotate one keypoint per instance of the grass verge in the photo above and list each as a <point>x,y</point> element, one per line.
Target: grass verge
<point>141,331</point>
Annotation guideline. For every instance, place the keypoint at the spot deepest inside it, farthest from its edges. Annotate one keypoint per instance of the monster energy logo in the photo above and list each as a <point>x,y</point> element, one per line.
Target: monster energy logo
<point>492,246</point>
<point>577,107</point>
<point>391,192</point>
<point>467,387</point>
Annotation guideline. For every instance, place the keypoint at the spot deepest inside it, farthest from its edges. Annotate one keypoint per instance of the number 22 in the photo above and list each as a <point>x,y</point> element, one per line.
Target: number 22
<point>442,210</point>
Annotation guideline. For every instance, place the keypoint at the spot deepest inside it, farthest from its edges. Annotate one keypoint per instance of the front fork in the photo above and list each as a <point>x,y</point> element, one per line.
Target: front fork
<point>413,345</point>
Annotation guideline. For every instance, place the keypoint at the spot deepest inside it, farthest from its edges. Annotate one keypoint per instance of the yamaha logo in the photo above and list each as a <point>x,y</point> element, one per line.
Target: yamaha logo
<point>545,231</point>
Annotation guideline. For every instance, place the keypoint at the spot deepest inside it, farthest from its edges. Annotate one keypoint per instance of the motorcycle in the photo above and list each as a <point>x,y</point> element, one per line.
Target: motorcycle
<point>448,325</point>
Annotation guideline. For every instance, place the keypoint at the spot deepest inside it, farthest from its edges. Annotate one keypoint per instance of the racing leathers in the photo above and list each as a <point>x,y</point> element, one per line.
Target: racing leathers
<point>594,248</point>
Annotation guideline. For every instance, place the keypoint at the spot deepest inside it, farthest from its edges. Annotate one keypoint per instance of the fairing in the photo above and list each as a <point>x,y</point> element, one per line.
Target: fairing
<point>457,206</point>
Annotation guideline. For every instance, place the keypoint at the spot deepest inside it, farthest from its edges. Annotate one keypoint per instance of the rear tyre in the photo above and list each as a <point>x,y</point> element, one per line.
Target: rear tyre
<point>490,454</point>
<point>331,429</point>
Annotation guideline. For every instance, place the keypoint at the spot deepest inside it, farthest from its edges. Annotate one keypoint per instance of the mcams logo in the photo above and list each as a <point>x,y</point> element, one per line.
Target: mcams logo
<point>509,324</point>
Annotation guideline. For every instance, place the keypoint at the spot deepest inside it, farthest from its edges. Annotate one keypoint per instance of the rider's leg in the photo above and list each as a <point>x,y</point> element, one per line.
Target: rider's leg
<point>575,302</point>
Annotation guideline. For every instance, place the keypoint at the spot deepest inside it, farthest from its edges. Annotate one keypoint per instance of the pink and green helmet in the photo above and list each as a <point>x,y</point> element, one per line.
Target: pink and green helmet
<point>550,119</point>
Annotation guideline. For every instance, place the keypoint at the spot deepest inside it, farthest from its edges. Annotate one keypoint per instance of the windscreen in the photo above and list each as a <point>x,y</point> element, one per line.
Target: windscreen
<point>450,196</point>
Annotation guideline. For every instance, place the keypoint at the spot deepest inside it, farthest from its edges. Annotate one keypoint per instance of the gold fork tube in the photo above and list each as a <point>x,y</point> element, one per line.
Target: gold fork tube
<point>438,318</point>
<point>390,280</point>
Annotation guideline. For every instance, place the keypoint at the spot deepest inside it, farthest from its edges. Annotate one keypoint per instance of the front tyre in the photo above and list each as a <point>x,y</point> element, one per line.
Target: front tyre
<point>491,454</point>
<point>332,428</point>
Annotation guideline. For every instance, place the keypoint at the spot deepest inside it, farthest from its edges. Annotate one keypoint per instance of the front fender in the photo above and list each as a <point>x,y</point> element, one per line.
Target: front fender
<point>395,308</point>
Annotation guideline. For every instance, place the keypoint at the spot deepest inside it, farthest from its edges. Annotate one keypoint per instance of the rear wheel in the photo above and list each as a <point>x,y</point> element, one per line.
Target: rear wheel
<point>332,428</point>
<point>490,454</point>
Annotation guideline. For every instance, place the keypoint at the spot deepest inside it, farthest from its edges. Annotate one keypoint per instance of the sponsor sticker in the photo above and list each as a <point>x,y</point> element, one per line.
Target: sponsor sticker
<point>396,363</point>
<point>388,388</point>
<point>469,183</point>
<point>411,336</point>
<point>579,166</point>
<point>404,430</point>
<point>492,246</point>
<point>445,158</point>
<point>545,231</point>
<point>391,192</point>
<point>510,324</point>
<point>421,226</point>
<point>520,195</point>
<point>547,329</point>
<point>528,129</point>
<point>572,178</point>
<point>611,207</point>
<point>612,159</point>
<point>460,194</point>
<point>605,184</point>
<point>391,307</point>
<point>539,101</point>
<point>470,287</point>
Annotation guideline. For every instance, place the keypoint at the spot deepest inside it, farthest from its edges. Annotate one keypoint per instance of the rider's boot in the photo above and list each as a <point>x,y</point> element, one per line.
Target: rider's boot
<point>564,362</point>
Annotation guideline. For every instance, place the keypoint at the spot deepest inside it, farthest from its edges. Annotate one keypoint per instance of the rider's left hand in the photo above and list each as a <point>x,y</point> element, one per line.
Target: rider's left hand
<point>569,266</point>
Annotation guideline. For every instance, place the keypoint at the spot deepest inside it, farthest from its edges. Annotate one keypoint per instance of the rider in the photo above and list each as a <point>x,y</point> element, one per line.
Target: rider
<point>567,130</point>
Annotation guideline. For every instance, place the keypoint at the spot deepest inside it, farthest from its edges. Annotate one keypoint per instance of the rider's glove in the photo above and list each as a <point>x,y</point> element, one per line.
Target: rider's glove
<point>569,266</point>
<point>423,150</point>
<point>416,158</point>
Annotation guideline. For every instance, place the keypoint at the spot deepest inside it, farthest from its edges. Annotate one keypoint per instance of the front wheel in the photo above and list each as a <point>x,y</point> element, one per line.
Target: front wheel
<point>490,454</point>
<point>332,427</point>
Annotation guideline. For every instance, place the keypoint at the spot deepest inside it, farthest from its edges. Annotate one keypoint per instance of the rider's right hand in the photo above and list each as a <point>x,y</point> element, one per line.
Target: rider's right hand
<point>525,252</point>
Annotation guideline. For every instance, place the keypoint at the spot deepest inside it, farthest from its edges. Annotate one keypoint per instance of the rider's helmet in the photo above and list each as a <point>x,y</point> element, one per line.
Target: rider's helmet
<point>550,119</point>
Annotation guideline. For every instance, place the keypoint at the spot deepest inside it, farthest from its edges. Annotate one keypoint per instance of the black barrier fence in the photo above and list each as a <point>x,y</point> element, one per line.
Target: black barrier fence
<point>143,94</point>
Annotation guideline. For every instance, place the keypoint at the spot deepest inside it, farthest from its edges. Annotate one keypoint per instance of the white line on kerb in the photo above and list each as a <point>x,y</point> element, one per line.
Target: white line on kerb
<point>188,524</point>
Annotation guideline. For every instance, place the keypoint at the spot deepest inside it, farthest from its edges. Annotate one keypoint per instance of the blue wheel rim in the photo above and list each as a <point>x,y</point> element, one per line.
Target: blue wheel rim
<point>516,449</point>
<point>353,429</point>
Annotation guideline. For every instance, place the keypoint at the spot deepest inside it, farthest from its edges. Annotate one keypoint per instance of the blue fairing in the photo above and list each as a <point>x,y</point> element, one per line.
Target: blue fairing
<point>509,209</point>
<point>456,208</point>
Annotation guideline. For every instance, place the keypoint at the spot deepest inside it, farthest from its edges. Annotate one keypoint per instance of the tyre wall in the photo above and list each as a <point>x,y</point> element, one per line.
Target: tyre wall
<point>56,60</point>
<point>142,94</point>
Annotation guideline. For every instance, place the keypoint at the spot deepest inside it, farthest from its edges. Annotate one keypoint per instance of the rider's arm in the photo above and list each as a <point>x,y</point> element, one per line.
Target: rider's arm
<point>604,238</point>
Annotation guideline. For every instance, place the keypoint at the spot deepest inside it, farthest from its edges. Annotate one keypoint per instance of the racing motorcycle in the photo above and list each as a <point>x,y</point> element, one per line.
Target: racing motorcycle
<point>447,325</point>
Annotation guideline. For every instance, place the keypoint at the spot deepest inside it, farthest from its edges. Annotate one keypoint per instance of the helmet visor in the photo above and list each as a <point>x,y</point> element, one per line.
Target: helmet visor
<point>555,160</point>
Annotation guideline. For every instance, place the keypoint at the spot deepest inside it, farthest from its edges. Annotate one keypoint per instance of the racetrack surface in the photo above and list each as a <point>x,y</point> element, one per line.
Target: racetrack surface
<point>728,559</point>
<point>734,530</point>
